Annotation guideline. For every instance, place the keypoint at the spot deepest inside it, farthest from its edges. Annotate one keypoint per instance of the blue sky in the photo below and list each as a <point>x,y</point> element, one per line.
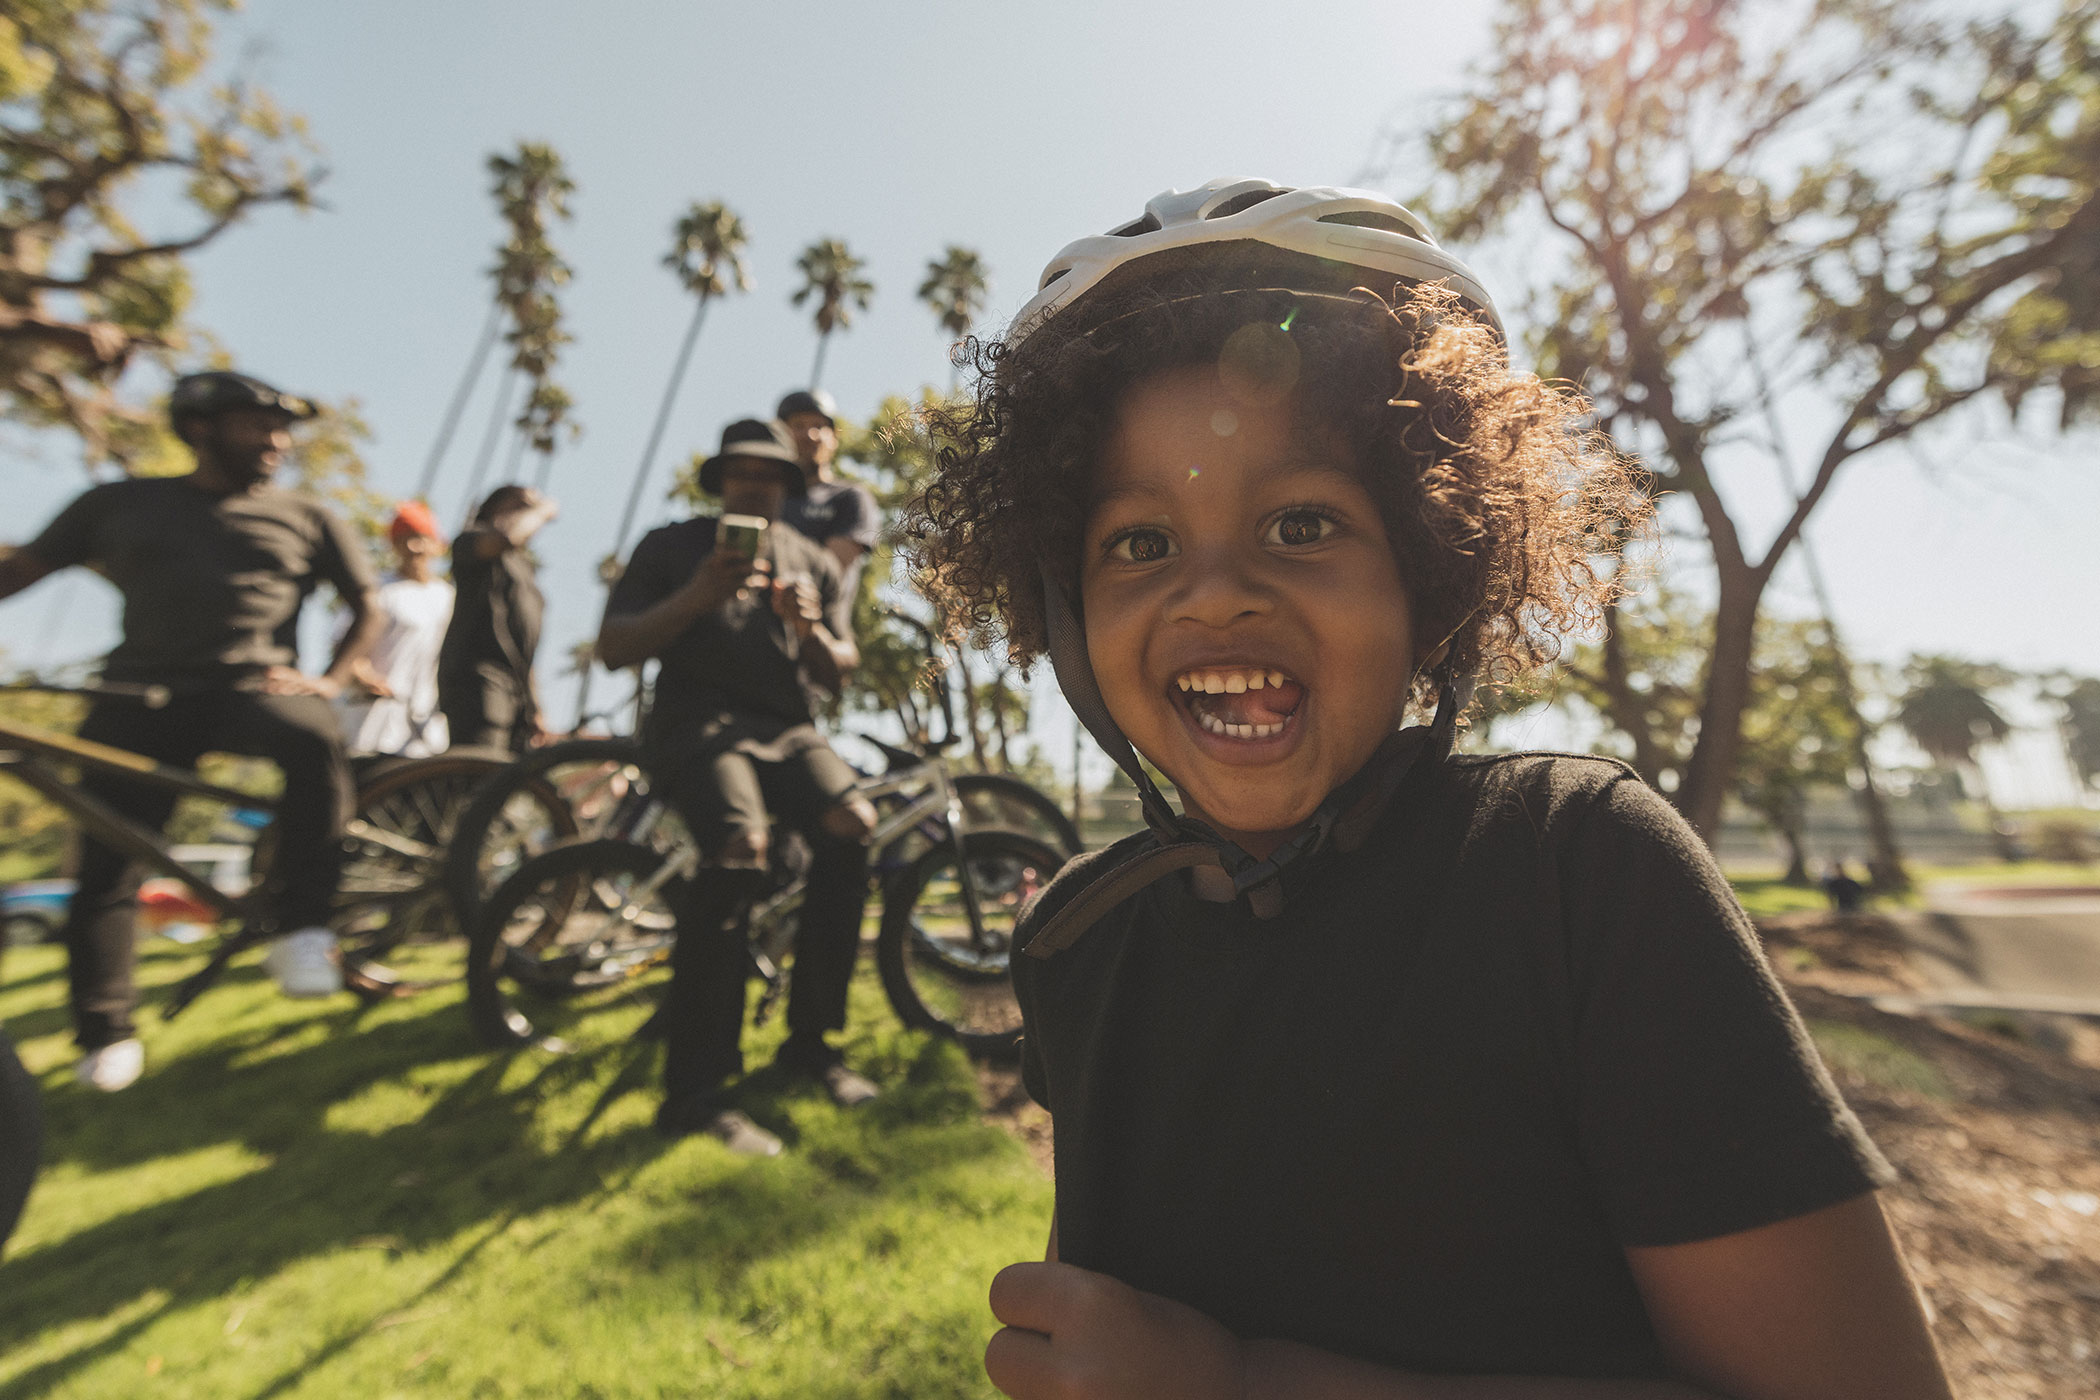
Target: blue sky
<point>1009,128</point>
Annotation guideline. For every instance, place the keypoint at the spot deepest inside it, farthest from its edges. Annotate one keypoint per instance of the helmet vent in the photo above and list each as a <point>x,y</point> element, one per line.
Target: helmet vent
<point>1050,277</point>
<point>1372,218</point>
<point>1241,202</point>
<point>1148,224</point>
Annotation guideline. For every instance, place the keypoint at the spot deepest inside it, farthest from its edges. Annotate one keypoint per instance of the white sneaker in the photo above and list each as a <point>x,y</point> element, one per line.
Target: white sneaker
<point>304,964</point>
<point>113,1067</point>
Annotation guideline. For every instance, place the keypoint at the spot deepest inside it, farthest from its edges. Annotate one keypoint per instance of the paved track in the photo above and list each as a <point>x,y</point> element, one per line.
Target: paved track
<point>2033,949</point>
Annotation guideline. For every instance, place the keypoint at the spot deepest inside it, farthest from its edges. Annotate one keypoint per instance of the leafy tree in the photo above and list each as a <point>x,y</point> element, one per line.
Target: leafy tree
<point>1733,204</point>
<point>955,287</point>
<point>832,275</point>
<point>1643,676</point>
<point>531,187</point>
<point>1947,711</point>
<point>2078,704</point>
<point>95,99</point>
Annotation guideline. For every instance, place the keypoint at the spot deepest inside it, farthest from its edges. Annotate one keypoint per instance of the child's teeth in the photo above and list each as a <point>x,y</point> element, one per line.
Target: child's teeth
<point>1214,684</point>
<point>1275,678</point>
<point>1183,682</point>
<point>1257,680</point>
<point>1235,684</point>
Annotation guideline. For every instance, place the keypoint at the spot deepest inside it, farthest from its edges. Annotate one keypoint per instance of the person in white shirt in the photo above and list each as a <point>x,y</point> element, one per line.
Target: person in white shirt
<point>393,708</point>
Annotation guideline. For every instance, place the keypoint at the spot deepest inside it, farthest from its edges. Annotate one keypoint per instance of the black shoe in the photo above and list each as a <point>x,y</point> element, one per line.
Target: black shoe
<point>825,1065</point>
<point>733,1129</point>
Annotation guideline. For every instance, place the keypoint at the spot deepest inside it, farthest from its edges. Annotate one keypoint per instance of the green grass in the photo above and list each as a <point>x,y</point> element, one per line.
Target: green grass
<point>306,1201</point>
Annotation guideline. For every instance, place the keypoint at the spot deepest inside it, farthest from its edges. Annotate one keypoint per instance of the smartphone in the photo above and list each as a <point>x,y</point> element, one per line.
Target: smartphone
<point>741,534</point>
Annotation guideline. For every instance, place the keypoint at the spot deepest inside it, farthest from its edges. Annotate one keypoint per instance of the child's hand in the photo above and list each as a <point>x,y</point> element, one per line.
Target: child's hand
<point>1071,1332</point>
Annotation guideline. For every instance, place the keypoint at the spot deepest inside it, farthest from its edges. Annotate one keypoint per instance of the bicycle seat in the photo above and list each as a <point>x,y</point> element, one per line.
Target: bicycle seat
<point>898,758</point>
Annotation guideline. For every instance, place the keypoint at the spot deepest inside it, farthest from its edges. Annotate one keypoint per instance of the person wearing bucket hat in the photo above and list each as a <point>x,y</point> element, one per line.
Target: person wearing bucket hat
<point>749,624</point>
<point>841,515</point>
<point>393,709</point>
<point>1375,1068</point>
<point>213,568</point>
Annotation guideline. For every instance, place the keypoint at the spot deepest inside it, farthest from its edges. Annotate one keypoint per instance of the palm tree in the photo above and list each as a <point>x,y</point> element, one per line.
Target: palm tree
<point>832,275</point>
<point>1946,709</point>
<point>530,188</point>
<point>955,287</point>
<point>707,254</point>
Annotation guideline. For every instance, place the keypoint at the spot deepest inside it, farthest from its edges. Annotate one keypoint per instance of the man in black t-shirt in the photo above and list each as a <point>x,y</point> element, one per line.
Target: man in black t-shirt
<point>749,643</point>
<point>838,514</point>
<point>213,567</point>
<point>486,685</point>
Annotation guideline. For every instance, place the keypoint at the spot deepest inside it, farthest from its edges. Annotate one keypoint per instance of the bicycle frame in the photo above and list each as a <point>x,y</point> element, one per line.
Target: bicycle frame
<point>31,755</point>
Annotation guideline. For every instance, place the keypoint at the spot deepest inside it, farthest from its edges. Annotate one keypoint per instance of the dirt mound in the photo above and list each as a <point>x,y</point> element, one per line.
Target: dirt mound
<point>1994,1122</point>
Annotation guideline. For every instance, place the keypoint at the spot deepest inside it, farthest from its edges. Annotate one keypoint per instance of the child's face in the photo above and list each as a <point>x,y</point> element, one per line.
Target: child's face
<point>1244,612</point>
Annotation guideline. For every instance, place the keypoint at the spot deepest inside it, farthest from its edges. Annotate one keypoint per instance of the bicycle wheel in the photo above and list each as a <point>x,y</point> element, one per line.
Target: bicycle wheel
<point>563,950</point>
<point>938,974</point>
<point>557,793</point>
<point>393,921</point>
<point>1000,801</point>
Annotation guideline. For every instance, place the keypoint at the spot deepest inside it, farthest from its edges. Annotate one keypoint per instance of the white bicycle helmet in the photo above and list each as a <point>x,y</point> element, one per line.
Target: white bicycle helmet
<point>1348,228</point>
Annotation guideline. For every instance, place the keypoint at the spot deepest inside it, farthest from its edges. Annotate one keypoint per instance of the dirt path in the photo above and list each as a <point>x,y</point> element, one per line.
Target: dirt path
<point>1993,1121</point>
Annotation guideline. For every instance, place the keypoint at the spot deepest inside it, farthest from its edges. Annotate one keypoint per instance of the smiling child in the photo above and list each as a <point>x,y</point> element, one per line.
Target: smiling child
<point>1379,1070</point>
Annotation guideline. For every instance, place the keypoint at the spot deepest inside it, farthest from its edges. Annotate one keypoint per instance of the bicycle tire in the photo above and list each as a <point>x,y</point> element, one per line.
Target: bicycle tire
<point>475,867</point>
<point>561,942</point>
<point>1000,801</point>
<point>393,921</point>
<point>936,978</point>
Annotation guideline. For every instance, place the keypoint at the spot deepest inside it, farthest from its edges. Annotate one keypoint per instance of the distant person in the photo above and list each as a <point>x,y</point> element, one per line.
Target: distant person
<point>1846,895</point>
<point>750,631</point>
<point>486,685</point>
<point>393,706</point>
<point>213,567</point>
<point>838,514</point>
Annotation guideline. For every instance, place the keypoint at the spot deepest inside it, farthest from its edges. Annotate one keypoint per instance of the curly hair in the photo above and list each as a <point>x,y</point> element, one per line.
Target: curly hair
<point>1505,514</point>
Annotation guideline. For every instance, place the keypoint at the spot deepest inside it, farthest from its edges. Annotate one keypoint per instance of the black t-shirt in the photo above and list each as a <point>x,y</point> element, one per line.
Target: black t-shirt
<point>836,509</point>
<point>212,584</point>
<point>1417,1117</point>
<point>739,663</point>
<point>496,610</point>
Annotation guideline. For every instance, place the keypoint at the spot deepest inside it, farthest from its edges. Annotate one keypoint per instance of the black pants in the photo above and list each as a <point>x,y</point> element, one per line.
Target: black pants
<point>487,708</point>
<point>719,796</point>
<point>296,732</point>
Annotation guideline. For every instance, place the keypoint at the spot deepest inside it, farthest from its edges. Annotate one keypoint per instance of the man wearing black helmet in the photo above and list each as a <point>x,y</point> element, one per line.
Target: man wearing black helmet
<point>213,567</point>
<point>748,622</point>
<point>837,514</point>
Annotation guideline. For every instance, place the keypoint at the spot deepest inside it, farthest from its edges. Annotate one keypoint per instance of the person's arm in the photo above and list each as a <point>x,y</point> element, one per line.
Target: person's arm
<point>1814,1308</point>
<point>66,541</point>
<point>845,549</point>
<point>630,637</point>
<point>340,562</point>
<point>514,528</point>
<point>829,658</point>
<point>19,568</point>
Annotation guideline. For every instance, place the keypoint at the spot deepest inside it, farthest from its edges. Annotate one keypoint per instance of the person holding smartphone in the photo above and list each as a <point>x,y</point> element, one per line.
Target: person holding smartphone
<point>748,624</point>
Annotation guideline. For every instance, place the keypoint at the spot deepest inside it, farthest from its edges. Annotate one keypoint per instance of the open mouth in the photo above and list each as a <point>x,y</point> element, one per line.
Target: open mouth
<point>1239,702</point>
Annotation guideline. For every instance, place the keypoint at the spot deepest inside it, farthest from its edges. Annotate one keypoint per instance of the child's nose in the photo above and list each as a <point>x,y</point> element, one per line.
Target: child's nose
<point>1221,584</point>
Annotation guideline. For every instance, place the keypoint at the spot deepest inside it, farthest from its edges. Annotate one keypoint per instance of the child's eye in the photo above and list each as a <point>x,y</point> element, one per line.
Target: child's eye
<point>1141,546</point>
<point>1300,526</point>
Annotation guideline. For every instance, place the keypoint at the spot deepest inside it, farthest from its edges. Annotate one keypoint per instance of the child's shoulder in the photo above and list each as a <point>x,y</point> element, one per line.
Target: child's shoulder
<point>1074,877</point>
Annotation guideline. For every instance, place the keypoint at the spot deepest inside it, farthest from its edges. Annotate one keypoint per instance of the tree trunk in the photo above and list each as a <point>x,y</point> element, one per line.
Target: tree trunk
<point>1624,707</point>
<point>428,480</point>
<point>816,370</point>
<point>998,703</point>
<point>1710,773</point>
<point>1796,855</point>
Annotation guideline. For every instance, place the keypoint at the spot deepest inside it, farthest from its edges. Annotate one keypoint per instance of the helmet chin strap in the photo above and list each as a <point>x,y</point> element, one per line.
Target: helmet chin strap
<point>1182,842</point>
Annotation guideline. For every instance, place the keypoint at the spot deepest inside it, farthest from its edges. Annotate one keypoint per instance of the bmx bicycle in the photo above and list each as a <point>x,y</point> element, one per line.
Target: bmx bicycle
<point>581,929</point>
<point>391,917</point>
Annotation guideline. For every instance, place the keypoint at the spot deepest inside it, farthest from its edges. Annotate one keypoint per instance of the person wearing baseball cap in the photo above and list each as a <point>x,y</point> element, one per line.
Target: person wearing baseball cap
<point>213,568</point>
<point>840,515</point>
<point>748,623</point>
<point>393,706</point>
